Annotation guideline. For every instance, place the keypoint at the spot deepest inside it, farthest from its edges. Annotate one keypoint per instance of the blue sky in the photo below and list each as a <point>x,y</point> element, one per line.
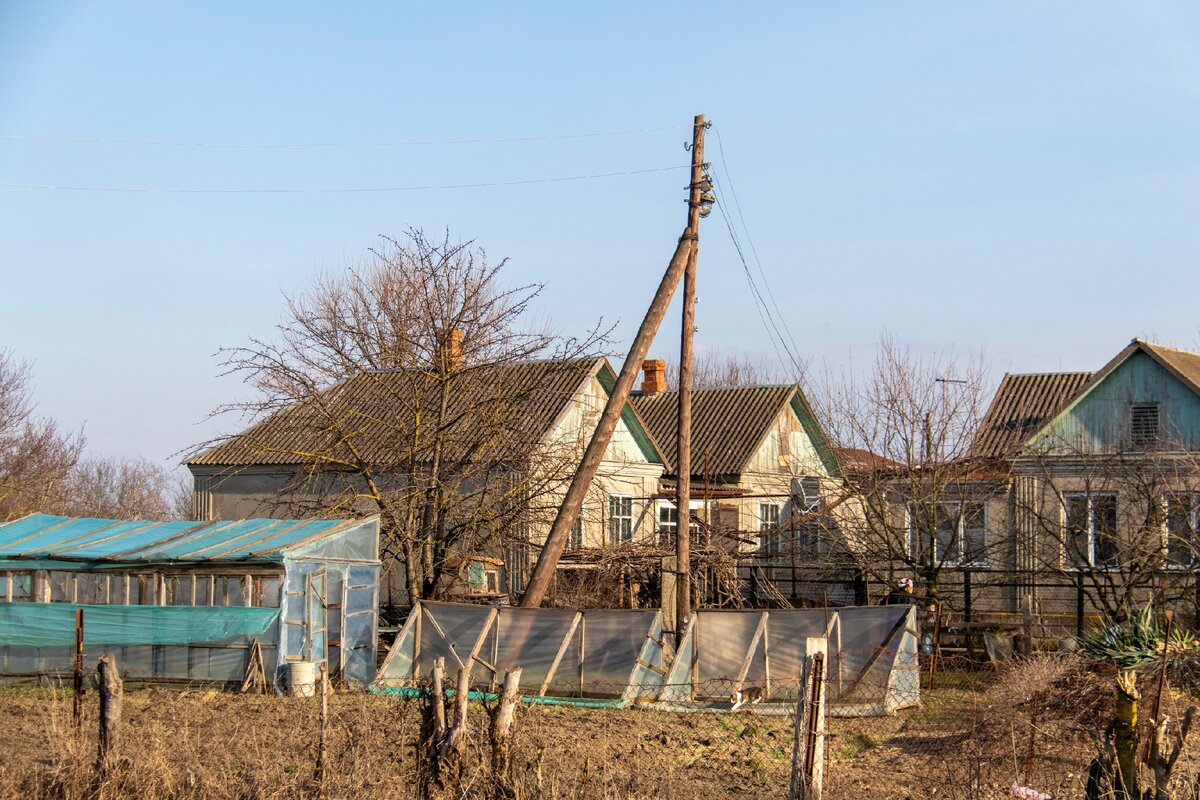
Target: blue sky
<point>1015,177</point>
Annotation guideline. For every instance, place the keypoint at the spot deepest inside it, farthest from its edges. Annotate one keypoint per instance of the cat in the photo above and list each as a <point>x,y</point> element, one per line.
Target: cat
<point>747,696</point>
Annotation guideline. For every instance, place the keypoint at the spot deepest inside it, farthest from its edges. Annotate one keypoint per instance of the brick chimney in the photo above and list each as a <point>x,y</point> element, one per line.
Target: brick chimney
<point>654,376</point>
<point>452,350</point>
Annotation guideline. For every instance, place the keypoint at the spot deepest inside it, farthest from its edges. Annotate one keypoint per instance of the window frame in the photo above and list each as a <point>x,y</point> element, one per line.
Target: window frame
<point>1193,521</point>
<point>770,535</point>
<point>958,559</point>
<point>616,530</point>
<point>1140,433</point>
<point>1092,562</point>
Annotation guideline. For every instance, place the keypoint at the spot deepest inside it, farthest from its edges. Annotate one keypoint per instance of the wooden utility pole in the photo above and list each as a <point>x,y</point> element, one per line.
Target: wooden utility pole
<point>683,467</point>
<point>568,512</point>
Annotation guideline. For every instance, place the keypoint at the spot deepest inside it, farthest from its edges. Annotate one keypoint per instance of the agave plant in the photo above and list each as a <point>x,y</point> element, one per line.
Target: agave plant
<point>1136,643</point>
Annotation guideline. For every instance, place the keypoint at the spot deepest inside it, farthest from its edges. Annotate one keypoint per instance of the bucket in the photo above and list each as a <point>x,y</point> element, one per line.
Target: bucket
<point>302,678</point>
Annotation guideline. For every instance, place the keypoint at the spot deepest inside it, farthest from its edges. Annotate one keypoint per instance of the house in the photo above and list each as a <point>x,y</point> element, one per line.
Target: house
<point>762,470</point>
<point>1078,496</point>
<point>473,463</point>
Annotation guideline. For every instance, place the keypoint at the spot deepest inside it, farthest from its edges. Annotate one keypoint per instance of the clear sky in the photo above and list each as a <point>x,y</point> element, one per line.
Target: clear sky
<point>1022,177</point>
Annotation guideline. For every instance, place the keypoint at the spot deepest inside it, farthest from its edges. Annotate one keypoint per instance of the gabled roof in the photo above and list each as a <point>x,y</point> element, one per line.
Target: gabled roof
<point>1182,364</point>
<point>1022,405</point>
<point>370,417</point>
<point>49,537</point>
<point>728,425</point>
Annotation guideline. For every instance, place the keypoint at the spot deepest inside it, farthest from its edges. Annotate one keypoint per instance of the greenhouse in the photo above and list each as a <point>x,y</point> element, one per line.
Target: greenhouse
<point>607,654</point>
<point>871,661</point>
<point>189,601</point>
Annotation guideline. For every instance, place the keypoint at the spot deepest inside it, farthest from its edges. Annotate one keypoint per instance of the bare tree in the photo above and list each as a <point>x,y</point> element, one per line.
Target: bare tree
<point>714,369</point>
<point>903,431</point>
<point>401,387</point>
<point>36,455</point>
<point>119,488</point>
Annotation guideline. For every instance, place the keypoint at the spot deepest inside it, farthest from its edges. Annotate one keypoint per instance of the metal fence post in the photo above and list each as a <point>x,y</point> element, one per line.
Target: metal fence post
<point>1079,604</point>
<point>808,745</point>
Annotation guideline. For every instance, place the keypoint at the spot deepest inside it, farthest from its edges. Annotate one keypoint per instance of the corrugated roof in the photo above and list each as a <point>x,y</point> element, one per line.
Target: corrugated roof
<point>370,417</point>
<point>728,424</point>
<point>1022,404</point>
<point>45,536</point>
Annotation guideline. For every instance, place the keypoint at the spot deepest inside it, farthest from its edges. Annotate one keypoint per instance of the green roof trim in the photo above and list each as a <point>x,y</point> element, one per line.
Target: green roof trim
<point>816,434</point>
<point>608,381</point>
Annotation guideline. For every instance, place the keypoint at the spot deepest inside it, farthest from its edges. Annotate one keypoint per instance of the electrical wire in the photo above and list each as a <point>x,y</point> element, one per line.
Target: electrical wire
<point>753,250</point>
<point>299,145</point>
<point>338,189</point>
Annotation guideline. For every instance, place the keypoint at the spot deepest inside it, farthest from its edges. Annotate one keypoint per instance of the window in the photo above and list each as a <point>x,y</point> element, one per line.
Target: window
<point>1183,513</point>
<point>1090,535</point>
<point>769,535</point>
<point>668,524</point>
<point>16,586</point>
<point>956,530</point>
<point>810,494</point>
<point>575,537</point>
<point>620,519</point>
<point>1143,424</point>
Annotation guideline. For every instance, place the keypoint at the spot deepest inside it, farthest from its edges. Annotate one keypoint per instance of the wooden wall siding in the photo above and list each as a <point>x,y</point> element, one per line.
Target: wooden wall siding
<point>1099,421</point>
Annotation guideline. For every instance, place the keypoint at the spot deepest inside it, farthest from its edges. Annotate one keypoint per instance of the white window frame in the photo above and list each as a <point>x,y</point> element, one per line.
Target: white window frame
<point>617,532</point>
<point>665,530</point>
<point>955,559</point>
<point>1067,559</point>
<point>770,535</point>
<point>1193,518</point>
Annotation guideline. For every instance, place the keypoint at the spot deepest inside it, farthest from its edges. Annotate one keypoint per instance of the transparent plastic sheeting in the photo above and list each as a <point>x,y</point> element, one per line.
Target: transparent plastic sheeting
<point>41,625</point>
<point>565,651</point>
<point>871,664</point>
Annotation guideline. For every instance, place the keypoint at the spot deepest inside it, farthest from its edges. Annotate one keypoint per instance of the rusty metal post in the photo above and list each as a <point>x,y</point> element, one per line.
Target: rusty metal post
<point>1162,667</point>
<point>78,667</point>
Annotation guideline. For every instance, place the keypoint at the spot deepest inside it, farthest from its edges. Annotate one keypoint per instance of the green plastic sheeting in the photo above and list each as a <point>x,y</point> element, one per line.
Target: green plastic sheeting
<point>414,693</point>
<point>53,624</point>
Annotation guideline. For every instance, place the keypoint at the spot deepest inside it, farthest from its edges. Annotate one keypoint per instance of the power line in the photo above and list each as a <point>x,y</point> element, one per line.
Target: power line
<point>758,262</point>
<point>300,145</point>
<point>335,189</point>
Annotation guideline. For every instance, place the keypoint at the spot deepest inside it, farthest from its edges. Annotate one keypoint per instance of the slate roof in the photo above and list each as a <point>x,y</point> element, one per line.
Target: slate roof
<point>728,423</point>
<point>1022,405</point>
<point>45,536</point>
<point>496,413</point>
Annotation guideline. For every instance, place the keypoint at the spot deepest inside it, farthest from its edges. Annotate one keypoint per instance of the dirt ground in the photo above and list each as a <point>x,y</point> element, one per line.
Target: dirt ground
<point>972,737</point>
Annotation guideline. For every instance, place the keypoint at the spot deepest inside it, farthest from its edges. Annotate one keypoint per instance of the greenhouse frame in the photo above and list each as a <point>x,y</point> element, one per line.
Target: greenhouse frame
<point>187,601</point>
<point>607,654</point>
<point>871,663</point>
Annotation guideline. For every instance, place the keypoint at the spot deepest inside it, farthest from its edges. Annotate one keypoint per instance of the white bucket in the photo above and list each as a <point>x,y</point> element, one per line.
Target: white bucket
<point>302,678</point>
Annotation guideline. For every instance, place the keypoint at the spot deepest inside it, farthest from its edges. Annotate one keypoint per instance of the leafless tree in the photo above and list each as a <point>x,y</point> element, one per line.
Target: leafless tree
<point>399,379</point>
<point>36,455</point>
<point>903,430</point>
<point>119,488</point>
<point>714,369</point>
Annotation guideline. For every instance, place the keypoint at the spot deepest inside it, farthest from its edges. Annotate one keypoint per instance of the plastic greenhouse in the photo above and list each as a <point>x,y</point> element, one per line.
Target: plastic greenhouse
<point>872,666</point>
<point>186,601</point>
<point>609,654</point>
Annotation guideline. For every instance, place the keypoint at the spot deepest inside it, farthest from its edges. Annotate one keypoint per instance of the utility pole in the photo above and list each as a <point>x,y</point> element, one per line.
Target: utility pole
<point>683,466</point>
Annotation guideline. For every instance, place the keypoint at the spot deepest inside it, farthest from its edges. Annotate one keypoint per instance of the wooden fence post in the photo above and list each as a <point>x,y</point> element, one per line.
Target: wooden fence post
<point>78,668</point>
<point>111,696</point>
<point>808,744</point>
<point>322,744</point>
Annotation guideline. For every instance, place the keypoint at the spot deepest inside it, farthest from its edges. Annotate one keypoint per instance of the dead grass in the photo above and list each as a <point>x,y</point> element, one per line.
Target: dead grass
<point>970,739</point>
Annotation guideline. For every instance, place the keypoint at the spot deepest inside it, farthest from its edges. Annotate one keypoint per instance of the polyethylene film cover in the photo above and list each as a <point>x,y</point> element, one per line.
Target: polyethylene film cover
<point>611,646</point>
<point>461,626</point>
<point>723,642</point>
<point>864,632</point>
<point>529,638</point>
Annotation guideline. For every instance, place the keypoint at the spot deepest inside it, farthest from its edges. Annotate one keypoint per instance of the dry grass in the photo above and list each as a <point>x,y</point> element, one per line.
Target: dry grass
<point>971,738</point>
